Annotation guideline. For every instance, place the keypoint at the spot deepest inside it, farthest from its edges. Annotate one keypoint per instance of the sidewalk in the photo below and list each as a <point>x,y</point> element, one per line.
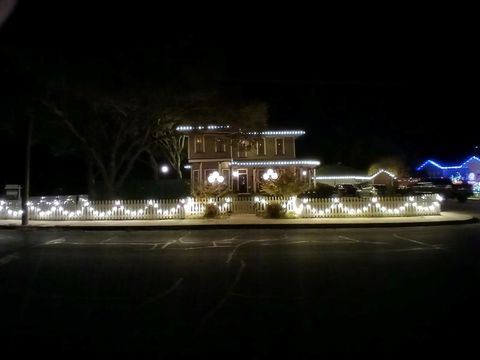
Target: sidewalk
<point>245,221</point>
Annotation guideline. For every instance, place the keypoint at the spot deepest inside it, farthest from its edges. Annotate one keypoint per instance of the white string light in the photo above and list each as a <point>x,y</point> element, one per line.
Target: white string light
<point>276,163</point>
<point>356,177</point>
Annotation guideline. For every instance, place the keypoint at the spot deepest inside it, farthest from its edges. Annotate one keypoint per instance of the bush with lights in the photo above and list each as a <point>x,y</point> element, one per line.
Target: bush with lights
<point>285,184</point>
<point>210,190</point>
<point>214,187</point>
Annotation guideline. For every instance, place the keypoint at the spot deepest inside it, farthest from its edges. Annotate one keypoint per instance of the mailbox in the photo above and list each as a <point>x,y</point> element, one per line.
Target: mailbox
<point>13,192</point>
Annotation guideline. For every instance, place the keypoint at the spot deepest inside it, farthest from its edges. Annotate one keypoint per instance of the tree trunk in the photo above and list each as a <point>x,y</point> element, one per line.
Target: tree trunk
<point>91,183</point>
<point>178,169</point>
<point>109,191</point>
<point>154,166</point>
<point>26,185</point>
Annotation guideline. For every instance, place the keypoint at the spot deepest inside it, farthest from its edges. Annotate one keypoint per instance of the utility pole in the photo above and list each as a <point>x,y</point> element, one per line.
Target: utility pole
<point>26,184</point>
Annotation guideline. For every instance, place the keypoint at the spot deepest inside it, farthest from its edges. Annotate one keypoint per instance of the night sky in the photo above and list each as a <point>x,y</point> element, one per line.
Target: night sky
<point>395,82</point>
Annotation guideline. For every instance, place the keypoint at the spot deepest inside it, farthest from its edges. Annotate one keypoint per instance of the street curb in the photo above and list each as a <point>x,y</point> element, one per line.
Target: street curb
<point>472,220</point>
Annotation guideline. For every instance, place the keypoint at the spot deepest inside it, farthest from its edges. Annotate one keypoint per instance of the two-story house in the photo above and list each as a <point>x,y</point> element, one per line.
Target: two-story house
<point>215,153</point>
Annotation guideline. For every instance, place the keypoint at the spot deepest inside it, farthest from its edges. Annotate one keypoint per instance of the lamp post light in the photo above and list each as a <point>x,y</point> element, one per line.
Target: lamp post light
<point>270,175</point>
<point>215,177</point>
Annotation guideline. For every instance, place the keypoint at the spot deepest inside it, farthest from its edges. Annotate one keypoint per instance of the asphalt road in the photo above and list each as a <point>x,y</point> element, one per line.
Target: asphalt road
<point>312,293</point>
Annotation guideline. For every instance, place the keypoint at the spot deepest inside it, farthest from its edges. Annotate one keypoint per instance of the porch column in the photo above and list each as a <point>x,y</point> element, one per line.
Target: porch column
<point>254,181</point>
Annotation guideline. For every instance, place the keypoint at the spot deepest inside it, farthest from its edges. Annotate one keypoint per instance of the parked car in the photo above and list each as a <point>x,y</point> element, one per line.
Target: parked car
<point>367,191</point>
<point>381,189</point>
<point>346,190</point>
<point>321,191</point>
<point>443,186</point>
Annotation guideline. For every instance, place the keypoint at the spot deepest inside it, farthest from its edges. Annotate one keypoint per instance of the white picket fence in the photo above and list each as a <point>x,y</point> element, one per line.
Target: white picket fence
<point>69,208</point>
<point>96,210</point>
<point>420,205</point>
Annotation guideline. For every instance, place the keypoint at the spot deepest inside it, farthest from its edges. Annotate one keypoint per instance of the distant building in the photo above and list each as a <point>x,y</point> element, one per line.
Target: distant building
<point>216,153</point>
<point>339,174</point>
<point>468,170</point>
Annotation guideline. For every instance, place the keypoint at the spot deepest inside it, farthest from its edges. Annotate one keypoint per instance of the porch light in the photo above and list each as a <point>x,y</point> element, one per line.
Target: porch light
<point>270,175</point>
<point>235,173</point>
<point>215,177</point>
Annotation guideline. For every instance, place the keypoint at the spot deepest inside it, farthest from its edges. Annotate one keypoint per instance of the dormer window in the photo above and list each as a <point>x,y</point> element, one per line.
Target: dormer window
<point>279,146</point>
<point>199,143</point>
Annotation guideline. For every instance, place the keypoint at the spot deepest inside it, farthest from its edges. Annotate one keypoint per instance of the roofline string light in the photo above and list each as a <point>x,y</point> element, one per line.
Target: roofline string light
<point>275,163</point>
<point>201,127</point>
<point>278,132</point>
<point>447,167</point>
<point>225,127</point>
<point>355,177</point>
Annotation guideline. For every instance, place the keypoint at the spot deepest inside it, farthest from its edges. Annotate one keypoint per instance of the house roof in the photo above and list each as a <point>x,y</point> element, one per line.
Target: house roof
<point>443,167</point>
<point>338,170</point>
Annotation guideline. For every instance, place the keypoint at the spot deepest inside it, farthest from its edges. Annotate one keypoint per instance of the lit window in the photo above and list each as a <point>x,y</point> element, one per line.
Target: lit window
<point>242,148</point>
<point>196,177</point>
<point>261,147</point>
<point>279,146</point>
<point>199,143</point>
<point>220,145</point>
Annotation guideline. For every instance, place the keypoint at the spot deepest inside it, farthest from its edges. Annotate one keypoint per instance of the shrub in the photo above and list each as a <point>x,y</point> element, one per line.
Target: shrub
<point>210,190</point>
<point>291,215</point>
<point>287,184</point>
<point>274,210</point>
<point>211,211</point>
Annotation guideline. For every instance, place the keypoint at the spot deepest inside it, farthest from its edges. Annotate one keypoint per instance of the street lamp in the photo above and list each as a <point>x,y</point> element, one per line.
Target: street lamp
<point>164,169</point>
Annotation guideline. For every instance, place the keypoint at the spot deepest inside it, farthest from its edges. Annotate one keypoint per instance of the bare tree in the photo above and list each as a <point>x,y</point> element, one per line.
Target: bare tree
<point>113,131</point>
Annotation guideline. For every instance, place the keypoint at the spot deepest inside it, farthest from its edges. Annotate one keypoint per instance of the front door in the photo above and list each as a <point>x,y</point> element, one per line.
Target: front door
<point>242,181</point>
